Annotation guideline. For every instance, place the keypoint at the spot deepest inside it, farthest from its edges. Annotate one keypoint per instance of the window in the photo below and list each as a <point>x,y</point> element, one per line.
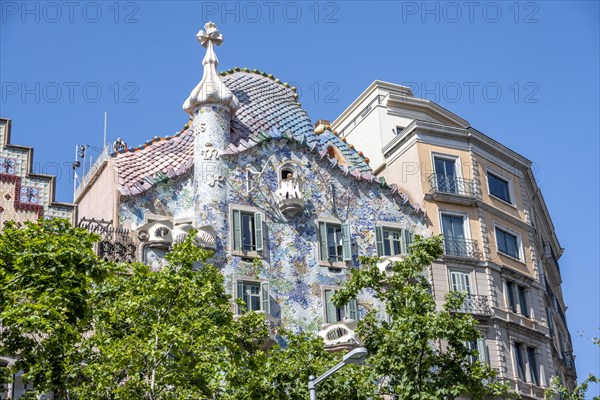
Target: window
<point>520,360</point>
<point>508,243</point>
<point>499,187</point>
<point>445,173</point>
<point>510,291</point>
<point>480,346</point>
<point>334,241</point>
<point>460,281</point>
<point>517,295</point>
<point>523,300</point>
<point>398,130</point>
<point>454,235</point>
<point>550,321</point>
<point>255,296</point>
<point>391,242</point>
<point>247,231</point>
<point>533,367</point>
<point>335,314</point>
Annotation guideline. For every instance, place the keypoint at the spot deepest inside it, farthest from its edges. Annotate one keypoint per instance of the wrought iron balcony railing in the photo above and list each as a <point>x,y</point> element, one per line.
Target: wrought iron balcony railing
<point>569,359</point>
<point>464,248</point>
<point>475,304</point>
<point>448,184</point>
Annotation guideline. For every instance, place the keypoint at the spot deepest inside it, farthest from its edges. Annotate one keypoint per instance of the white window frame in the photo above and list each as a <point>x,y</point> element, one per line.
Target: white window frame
<point>469,273</point>
<point>347,308</point>
<point>482,350</point>
<point>453,157</point>
<point>346,258</point>
<point>509,183</point>
<point>520,249</point>
<point>264,294</point>
<point>393,226</point>
<point>259,241</point>
<point>465,217</point>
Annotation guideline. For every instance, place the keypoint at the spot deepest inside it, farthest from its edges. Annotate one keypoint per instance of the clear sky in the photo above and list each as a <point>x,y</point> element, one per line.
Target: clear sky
<point>524,73</point>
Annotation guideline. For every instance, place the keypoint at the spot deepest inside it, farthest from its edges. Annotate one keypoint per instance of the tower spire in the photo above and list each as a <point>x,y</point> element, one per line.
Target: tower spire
<point>211,89</point>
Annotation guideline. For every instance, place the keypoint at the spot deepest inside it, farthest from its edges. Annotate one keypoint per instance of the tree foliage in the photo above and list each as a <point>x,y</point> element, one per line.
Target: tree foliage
<point>86,329</point>
<point>47,273</point>
<point>557,388</point>
<point>419,352</point>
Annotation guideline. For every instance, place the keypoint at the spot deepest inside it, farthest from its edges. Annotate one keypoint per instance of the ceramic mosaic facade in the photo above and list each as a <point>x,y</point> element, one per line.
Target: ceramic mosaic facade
<point>287,208</point>
<point>290,257</point>
<point>24,195</point>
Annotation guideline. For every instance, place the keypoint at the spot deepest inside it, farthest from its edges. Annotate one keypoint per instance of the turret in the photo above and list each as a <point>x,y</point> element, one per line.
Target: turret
<point>210,105</point>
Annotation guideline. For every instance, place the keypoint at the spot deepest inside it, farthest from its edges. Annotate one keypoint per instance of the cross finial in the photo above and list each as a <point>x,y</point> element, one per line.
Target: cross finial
<point>210,34</point>
<point>211,89</point>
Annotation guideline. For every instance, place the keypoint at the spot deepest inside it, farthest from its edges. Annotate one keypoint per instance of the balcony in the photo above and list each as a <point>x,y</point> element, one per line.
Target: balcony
<point>466,249</point>
<point>452,189</point>
<point>475,304</point>
<point>340,335</point>
<point>290,198</point>
<point>569,360</point>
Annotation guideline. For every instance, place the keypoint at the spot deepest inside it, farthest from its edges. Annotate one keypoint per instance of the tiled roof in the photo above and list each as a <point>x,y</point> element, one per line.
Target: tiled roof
<point>141,167</point>
<point>265,104</point>
<point>268,111</point>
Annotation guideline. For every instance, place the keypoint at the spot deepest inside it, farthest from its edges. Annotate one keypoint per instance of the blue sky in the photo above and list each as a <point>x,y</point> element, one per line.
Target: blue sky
<point>526,74</point>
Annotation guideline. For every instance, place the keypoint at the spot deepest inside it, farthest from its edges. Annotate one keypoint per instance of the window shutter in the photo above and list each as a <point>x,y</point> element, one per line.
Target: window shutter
<point>264,298</point>
<point>347,249</point>
<point>237,230</point>
<point>379,238</point>
<point>482,350</point>
<point>323,241</point>
<point>406,240</point>
<point>455,282</point>
<point>240,295</point>
<point>330,309</point>
<point>351,310</point>
<point>258,231</point>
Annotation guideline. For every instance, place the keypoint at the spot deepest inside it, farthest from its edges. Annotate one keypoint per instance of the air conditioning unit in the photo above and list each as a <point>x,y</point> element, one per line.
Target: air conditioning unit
<point>340,335</point>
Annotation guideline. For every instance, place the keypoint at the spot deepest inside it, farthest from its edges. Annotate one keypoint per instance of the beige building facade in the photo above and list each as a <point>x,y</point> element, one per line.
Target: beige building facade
<point>500,246</point>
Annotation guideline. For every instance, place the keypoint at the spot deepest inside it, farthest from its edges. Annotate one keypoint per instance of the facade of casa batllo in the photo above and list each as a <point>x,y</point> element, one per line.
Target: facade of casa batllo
<point>287,210</point>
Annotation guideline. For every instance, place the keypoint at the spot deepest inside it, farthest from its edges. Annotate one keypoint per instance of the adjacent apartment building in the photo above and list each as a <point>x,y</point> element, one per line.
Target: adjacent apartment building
<point>500,245</point>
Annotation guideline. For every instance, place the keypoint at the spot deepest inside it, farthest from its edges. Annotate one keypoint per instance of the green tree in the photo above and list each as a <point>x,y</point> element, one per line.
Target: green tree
<point>167,334</point>
<point>47,271</point>
<point>419,352</point>
<point>579,392</point>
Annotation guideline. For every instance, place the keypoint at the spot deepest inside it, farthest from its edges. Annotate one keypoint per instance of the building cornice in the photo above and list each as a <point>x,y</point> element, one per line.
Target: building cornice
<point>429,107</point>
<point>360,100</point>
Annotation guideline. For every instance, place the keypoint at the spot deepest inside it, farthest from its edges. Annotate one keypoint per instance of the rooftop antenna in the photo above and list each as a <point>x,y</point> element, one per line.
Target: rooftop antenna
<point>104,147</point>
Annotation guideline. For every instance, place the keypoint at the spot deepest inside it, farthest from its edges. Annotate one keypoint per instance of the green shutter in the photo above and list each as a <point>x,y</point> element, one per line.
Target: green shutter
<point>258,231</point>
<point>406,240</point>
<point>264,298</point>
<point>240,295</point>
<point>330,309</point>
<point>379,238</point>
<point>323,241</point>
<point>237,230</point>
<point>346,249</point>
<point>351,310</point>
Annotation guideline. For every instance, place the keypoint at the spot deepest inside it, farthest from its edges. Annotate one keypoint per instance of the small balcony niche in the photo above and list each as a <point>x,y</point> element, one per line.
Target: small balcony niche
<point>290,198</point>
